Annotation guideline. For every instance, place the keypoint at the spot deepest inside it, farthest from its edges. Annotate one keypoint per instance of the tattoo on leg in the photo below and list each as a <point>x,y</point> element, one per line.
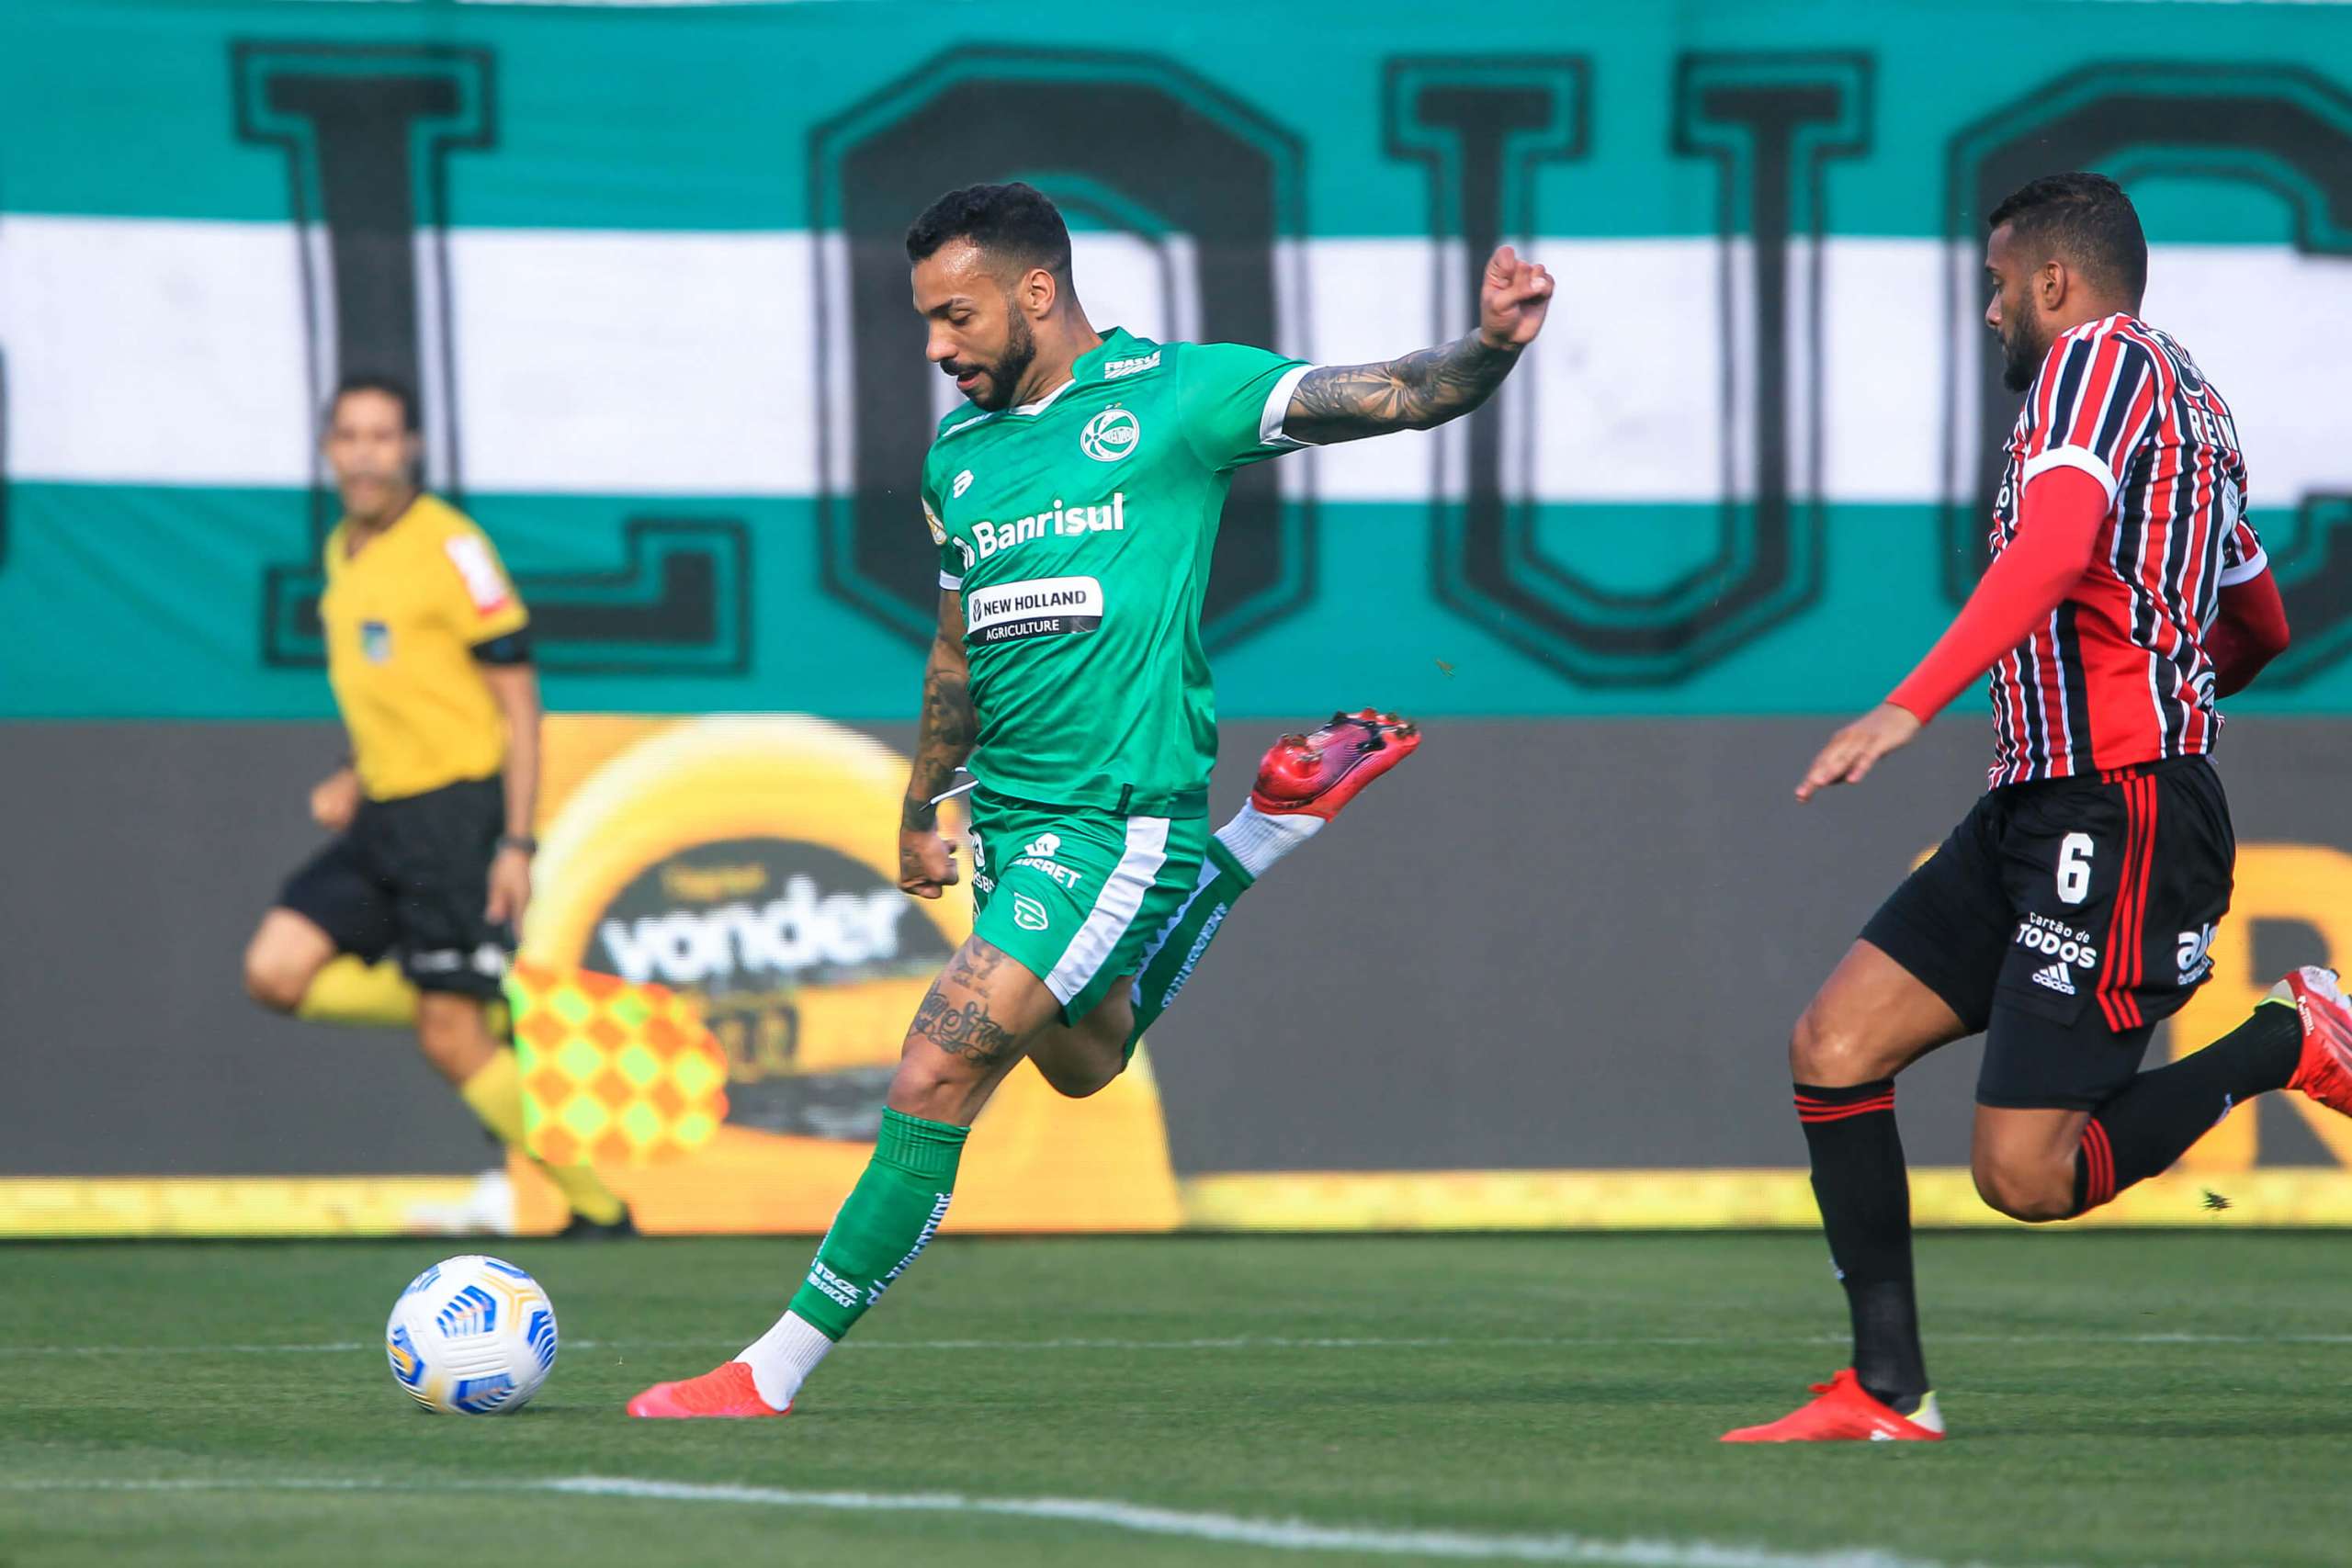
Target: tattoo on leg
<point>972,966</point>
<point>967,1032</point>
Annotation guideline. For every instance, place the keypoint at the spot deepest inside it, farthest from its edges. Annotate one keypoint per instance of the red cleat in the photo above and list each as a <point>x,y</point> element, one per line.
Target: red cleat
<point>1846,1413</point>
<point>2325,1071</point>
<point>1318,774</point>
<point>727,1392</point>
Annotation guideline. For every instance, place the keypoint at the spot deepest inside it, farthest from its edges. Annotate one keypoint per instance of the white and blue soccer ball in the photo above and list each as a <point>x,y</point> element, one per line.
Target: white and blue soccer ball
<point>471,1335</point>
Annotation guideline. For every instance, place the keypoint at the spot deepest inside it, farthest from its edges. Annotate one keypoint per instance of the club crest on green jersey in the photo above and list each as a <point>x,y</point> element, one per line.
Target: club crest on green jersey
<point>1109,435</point>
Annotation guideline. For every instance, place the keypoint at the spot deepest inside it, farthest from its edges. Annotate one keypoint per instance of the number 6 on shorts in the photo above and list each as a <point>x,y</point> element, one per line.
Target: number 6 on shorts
<point>2075,868</point>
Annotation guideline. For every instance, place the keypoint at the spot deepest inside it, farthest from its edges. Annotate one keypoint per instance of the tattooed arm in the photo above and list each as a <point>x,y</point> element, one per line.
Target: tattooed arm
<point>943,740</point>
<point>1420,392</point>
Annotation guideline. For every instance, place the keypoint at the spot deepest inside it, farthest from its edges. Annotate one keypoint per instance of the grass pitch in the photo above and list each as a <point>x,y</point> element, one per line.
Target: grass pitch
<point>2114,1398</point>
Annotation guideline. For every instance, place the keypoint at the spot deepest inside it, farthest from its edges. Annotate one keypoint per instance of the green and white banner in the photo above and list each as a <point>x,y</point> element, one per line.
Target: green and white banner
<point>644,264</point>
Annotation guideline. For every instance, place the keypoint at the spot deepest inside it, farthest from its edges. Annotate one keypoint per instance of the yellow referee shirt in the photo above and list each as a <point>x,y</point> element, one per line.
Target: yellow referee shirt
<point>403,618</point>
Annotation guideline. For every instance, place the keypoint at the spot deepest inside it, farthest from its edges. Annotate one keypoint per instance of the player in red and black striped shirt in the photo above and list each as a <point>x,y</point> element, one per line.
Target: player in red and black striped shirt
<point>2076,905</point>
<point>2116,673</point>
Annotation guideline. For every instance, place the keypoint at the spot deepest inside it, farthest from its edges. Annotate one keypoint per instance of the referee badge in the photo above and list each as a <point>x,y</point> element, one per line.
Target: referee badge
<point>375,642</point>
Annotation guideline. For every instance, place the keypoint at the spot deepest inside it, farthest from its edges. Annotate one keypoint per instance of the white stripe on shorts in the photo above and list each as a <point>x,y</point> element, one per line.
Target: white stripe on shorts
<point>1114,909</point>
<point>1168,927</point>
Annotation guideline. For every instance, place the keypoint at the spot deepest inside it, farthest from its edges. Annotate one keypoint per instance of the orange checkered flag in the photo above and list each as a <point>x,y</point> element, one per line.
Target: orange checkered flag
<point>614,1073</point>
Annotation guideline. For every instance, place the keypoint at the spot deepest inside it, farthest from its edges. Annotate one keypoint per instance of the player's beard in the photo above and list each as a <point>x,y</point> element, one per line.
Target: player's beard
<point>2021,356</point>
<point>996,392</point>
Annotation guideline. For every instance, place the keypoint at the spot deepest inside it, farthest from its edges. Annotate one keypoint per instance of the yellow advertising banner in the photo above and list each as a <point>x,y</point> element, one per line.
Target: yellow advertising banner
<point>718,971</point>
<point>748,866</point>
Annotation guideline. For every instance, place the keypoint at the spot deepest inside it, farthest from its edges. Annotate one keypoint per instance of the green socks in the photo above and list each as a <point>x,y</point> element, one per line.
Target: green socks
<point>1169,962</point>
<point>897,1206</point>
<point>885,1222</point>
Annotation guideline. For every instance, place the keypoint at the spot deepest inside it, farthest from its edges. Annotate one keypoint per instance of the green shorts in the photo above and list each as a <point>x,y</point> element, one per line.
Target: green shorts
<point>1080,897</point>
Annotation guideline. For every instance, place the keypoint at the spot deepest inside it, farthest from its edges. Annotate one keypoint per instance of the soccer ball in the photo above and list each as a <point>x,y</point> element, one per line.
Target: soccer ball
<point>471,1335</point>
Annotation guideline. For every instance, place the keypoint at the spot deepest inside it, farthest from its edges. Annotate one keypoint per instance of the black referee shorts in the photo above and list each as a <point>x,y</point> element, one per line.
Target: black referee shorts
<point>413,874</point>
<point>2065,919</point>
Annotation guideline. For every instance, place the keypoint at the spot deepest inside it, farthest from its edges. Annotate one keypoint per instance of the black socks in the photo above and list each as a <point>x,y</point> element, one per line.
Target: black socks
<point>1865,1191</point>
<point>2151,1122</point>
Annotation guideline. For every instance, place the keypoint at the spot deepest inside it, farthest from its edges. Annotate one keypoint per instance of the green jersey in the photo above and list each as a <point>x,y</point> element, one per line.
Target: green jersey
<point>1078,529</point>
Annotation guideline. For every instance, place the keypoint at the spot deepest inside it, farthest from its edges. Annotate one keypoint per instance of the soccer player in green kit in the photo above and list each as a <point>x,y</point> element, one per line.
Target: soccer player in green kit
<point>1074,502</point>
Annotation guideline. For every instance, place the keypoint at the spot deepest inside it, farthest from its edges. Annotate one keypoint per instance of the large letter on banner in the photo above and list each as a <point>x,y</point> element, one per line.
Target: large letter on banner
<point>1121,142</point>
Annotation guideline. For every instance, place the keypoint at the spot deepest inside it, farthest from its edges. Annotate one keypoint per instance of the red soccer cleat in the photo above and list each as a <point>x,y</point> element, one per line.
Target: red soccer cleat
<point>727,1391</point>
<point>1846,1413</point>
<point>1318,774</point>
<point>2325,1071</point>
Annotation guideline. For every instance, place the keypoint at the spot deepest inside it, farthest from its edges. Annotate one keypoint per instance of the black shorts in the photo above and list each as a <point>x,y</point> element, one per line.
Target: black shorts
<point>413,874</point>
<point>2065,919</point>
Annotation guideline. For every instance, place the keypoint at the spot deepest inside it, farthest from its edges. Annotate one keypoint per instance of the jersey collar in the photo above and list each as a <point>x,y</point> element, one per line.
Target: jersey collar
<point>1081,368</point>
<point>339,549</point>
<point>1042,404</point>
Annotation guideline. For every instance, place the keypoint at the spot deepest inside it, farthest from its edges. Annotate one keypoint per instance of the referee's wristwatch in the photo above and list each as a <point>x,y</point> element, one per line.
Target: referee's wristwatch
<point>523,841</point>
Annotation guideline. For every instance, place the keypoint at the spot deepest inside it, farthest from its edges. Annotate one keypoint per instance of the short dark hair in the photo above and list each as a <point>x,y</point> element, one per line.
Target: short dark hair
<point>373,381</point>
<point>1016,222</point>
<point>2086,220</point>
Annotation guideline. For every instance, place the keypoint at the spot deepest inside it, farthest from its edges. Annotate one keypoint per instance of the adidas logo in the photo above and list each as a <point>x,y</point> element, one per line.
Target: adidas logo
<point>2056,978</point>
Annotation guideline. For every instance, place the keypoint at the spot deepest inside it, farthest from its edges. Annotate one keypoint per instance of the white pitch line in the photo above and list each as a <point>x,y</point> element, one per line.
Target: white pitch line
<point>1269,1342</point>
<point>336,1348</point>
<point>1221,1529</point>
<point>1239,1342</point>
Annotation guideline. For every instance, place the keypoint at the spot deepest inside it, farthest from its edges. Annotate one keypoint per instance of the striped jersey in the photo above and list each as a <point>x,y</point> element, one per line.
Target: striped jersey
<point>2117,675</point>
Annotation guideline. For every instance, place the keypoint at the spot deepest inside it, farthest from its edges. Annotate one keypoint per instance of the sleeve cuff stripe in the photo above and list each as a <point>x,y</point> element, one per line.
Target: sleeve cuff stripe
<point>1277,409</point>
<point>950,582</point>
<point>2245,570</point>
<point>2080,457</point>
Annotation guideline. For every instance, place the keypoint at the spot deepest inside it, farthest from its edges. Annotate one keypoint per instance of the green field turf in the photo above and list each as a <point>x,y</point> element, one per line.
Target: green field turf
<point>2115,1399</point>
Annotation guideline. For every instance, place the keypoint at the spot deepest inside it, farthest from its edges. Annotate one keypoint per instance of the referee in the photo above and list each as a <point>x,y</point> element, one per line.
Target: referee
<point>429,654</point>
